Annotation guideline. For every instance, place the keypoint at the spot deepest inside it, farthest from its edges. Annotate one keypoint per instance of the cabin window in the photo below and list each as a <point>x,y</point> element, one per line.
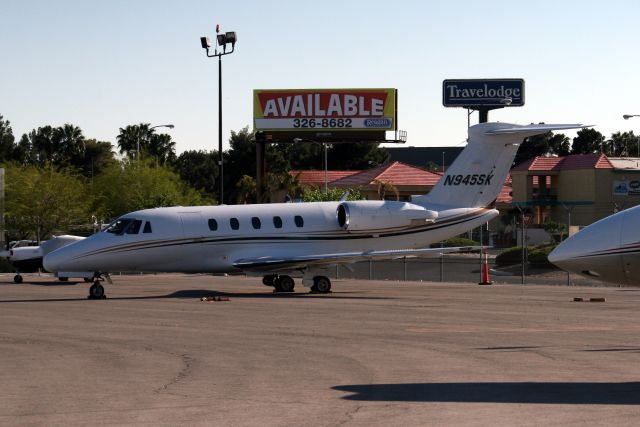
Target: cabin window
<point>255,221</point>
<point>299,221</point>
<point>147,227</point>
<point>235,224</point>
<point>118,226</point>
<point>134,227</point>
<point>277,222</point>
<point>213,224</point>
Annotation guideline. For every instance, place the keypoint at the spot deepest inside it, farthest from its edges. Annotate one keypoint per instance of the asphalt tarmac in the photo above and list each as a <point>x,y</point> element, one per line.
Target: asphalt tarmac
<point>370,353</point>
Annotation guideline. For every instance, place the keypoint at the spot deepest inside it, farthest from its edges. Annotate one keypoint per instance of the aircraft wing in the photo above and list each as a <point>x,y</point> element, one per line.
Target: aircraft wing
<point>269,264</point>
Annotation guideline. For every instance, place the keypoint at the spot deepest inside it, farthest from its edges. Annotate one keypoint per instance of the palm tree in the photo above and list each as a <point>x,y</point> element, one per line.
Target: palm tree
<point>384,187</point>
<point>134,138</point>
<point>246,189</point>
<point>162,148</point>
<point>69,142</point>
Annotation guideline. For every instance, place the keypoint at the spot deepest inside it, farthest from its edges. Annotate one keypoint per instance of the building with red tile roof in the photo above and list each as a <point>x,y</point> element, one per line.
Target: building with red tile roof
<point>408,180</point>
<point>586,186</point>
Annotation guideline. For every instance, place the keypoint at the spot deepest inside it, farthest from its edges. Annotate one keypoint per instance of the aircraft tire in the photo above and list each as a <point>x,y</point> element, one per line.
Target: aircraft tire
<point>17,279</point>
<point>269,279</point>
<point>284,284</point>
<point>96,291</point>
<point>321,284</point>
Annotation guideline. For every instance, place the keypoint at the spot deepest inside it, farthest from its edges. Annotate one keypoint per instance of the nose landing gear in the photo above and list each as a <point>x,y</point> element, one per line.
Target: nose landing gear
<point>96,291</point>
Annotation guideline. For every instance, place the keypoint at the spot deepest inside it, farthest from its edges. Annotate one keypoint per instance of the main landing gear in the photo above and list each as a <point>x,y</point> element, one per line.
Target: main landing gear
<point>17,279</point>
<point>321,284</point>
<point>280,283</point>
<point>96,291</point>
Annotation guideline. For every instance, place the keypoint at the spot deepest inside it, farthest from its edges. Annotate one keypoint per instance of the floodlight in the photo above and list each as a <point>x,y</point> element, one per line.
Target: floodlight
<point>222,39</point>
<point>205,42</point>
<point>231,37</point>
<point>628,116</point>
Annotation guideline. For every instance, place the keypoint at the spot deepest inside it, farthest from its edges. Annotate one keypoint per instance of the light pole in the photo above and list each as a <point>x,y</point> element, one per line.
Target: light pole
<point>627,117</point>
<point>222,40</point>
<point>150,129</point>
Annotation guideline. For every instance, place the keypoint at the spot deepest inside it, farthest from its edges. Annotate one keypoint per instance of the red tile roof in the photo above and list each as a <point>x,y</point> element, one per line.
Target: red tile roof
<point>396,173</point>
<point>316,177</point>
<point>571,162</point>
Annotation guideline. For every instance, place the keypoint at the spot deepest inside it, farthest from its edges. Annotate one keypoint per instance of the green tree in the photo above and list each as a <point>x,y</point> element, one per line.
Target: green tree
<point>7,141</point>
<point>97,156</point>
<point>47,145</point>
<point>246,190</point>
<point>432,166</point>
<point>384,188</point>
<point>142,137</point>
<point>240,160</point>
<point>559,144</point>
<point>622,144</point>
<point>555,229</point>
<point>542,145</point>
<point>41,201</point>
<point>587,141</point>
<point>132,186</point>
<point>162,149</point>
<point>356,156</point>
<point>199,169</point>
<point>302,155</point>
<point>69,143</point>
<point>282,187</point>
<point>132,138</point>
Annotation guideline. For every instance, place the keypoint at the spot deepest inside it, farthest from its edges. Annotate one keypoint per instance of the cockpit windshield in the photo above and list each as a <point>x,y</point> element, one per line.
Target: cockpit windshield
<point>118,226</point>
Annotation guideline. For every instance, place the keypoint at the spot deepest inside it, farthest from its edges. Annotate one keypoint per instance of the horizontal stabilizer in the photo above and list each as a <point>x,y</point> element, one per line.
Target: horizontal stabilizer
<point>535,128</point>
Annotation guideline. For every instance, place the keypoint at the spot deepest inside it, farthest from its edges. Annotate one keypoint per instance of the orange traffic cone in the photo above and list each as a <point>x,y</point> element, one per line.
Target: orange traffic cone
<point>485,272</point>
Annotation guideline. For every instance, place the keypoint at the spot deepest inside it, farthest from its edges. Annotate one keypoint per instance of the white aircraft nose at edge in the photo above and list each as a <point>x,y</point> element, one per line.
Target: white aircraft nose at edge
<point>607,250</point>
<point>281,240</point>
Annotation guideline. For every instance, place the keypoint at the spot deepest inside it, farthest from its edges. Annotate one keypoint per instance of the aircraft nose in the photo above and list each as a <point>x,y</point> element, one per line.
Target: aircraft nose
<point>54,261</point>
<point>561,257</point>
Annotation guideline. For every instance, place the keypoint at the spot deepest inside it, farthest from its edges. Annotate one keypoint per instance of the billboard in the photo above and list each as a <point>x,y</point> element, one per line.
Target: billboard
<point>483,93</point>
<point>325,109</point>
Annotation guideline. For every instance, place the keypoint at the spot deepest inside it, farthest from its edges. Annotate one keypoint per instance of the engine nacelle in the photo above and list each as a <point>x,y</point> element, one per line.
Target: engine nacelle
<point>381,215</point>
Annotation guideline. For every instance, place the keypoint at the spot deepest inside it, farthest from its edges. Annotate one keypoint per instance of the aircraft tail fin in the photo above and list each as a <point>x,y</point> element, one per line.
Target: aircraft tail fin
<point>476,177</point>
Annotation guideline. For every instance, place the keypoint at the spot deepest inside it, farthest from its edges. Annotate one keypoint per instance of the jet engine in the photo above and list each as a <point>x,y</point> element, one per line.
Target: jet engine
<point>379,215</point>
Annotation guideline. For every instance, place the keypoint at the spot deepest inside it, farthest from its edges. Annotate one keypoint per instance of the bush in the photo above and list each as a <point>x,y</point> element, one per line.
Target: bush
<point>509,256</point>
<point>537,255</point>
<point>455,242</point>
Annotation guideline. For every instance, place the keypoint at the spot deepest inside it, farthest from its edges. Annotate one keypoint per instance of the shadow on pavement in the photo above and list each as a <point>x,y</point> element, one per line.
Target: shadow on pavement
<point>579,393</point>
<point>197,294</point>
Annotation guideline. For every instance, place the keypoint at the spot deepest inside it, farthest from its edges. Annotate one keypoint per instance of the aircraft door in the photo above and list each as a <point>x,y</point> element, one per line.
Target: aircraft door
<point>192,224</point>
<point>630,243</point>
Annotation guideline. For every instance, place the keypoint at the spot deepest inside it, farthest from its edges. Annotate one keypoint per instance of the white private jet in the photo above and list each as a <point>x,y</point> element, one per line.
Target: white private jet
<point>607,250</point>
<point>27,256</point>
<point>278,241</point>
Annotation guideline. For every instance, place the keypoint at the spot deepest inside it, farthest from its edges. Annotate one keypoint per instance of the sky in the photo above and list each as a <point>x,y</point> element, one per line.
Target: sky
<point>103,65</point>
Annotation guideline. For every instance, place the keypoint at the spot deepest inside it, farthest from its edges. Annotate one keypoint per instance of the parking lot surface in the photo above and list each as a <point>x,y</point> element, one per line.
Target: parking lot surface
<point>370,353</point>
